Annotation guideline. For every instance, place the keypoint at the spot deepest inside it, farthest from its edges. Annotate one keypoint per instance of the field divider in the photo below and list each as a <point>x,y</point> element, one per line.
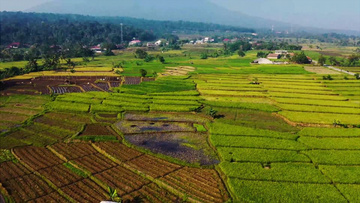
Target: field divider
<point>320,105</point>
<point>292,123</point>
<point>280,181</point>
<point>5,194</point>
<point>51,184</point>
<point>142,174</point>
<point>319,112</point>
<point>96,87</point>
<point>82,89</point>
<point>332,181</point>
<point>259,136</point>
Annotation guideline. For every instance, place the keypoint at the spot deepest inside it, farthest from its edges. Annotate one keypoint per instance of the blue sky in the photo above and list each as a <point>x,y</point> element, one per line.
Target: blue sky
<point>333,14</point>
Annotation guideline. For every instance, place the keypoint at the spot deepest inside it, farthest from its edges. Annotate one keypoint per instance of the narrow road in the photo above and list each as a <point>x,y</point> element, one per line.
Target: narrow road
<point>340,70</point>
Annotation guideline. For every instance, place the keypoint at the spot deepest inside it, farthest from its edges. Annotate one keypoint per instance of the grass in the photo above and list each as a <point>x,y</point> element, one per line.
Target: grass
<point>342,174</point>
<point>75,170</point>
<point>268,191</point>
<point>320,118</point>
<point>234,130</point>
<point>320,109</point>
<point>294,172</point>
<point>331,143</point>
<point>199,128</point>
<point>242,105</point>
<point>330,132</point>
<point>68,106</point>
<point>334,157</point>
<point>6,155</point>
<point>260,155</point>
<point>255,142</point>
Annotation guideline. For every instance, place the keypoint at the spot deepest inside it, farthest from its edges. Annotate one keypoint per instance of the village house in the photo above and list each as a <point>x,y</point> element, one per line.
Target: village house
<point>14,45</point>
<point>262,61</point>
<point>158,43</point>
<point>135,42</point>
<point>150,45</point>
<point>273,56</point>
<point>96,49</point>
<point>282,52</point>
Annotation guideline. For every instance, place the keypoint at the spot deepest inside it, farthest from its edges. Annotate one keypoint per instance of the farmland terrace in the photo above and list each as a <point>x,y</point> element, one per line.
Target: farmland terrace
<point>215,130</point>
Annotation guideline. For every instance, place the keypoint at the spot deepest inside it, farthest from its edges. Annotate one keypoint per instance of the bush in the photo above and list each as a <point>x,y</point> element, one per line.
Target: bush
<point>203,56</point>
<point>141,54</point>
<point>143,72</point>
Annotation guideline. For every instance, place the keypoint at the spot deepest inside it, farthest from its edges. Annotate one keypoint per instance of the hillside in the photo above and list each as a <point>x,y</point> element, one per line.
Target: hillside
<point>195,11</point>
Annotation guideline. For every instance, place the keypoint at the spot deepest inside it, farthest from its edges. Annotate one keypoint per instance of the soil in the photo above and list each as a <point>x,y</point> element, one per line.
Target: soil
<point>130,127</point>
<point>175,145</point>
<point>41,85</point>
<point>96,130</point>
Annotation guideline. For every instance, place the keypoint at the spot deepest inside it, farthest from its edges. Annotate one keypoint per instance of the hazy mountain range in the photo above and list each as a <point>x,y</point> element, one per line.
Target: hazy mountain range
<point>173,10</point>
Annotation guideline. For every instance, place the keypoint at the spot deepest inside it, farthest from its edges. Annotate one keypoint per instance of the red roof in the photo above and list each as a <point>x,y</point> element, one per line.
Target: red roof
<point>136,41</point>
<point>14,44</point>
<point>226,40</point>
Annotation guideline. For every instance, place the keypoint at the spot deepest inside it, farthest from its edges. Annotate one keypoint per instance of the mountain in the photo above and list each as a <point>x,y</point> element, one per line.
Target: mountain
<point>173,10</point>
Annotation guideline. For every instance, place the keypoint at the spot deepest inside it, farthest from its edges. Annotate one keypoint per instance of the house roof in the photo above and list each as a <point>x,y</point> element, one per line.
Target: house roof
<point>136,41</point>
<point>273,55</point>
<point>263,61</point>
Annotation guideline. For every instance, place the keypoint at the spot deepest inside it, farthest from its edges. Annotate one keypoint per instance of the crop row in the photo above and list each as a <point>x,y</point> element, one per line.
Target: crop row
<point>320,118</point>
<point>319,109</point>
<point>316,102</point>
<point>227,129</point>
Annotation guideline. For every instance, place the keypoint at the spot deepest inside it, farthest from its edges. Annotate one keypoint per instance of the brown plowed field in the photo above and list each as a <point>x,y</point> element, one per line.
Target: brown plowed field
<point>202,184</point>
<point>151,193</point>
<point>95,163</point>
<point>86,191</point>
<point>50,198</point>
<point>10,170</point>
<point>152,166</point>
<point>74,151</point>
<point>60,175</point>
<point>124,180</point>
<point>36,157</point>
<point>27,188</point>
<point>96,129</point>
<point>118,151</point>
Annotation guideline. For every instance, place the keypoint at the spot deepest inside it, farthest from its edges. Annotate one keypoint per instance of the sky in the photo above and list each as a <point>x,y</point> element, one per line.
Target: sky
<point>331,14</point>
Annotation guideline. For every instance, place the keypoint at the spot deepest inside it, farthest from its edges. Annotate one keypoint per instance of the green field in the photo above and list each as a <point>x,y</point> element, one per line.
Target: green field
<point>289,137</point>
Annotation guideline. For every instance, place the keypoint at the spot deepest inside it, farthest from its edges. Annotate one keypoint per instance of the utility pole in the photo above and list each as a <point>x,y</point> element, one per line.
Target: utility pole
<point>122,34</point>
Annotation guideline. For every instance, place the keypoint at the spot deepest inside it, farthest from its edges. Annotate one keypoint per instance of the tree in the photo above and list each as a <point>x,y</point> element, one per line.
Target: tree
<point>203,56</point>
<point>143,72</point>
<point>241,53</point>
<point>333,61</point>
<point>162,59</point>
<point>141,54</point>
<point>261,54</point>
<point>322,60</point>
<point>300,58</point>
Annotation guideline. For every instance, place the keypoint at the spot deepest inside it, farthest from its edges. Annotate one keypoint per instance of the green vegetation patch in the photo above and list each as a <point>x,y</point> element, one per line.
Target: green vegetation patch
<point>199,128</point>
<point>330,132</point>
<point>260,155</point>
<point>331,143</point>
<point>75,170</point>
<point>68,106</point>
<point>351,192</point>
<point>320,118</point>
<point>297,172</point>
<point>334,157</point>
<point>226,129</point>
<point>6,155</point>
<point>255,142</point>
<point>267,191</point>
<point>342,174</point>
<point>241,105</point>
